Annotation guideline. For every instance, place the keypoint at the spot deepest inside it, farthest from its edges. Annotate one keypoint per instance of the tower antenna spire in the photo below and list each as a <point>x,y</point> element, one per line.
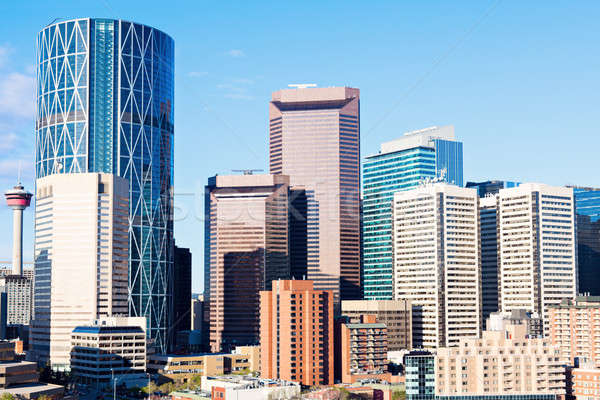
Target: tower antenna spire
<point>19,174</point>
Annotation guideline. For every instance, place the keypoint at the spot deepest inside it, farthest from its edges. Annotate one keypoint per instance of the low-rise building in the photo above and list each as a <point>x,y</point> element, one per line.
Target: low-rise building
<point>575,327</point>
<point>183,367</point>
<point>500,363</point>
<point>361,350</point>
<point>395,314</point>
<point>253,354</point>
<point>109,348</point>
<point>497,321</point>
<point>21,378</point>
<point>235,387</point>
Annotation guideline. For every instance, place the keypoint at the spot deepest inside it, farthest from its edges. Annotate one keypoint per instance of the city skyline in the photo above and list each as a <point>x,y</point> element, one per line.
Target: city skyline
<point>451,92</point>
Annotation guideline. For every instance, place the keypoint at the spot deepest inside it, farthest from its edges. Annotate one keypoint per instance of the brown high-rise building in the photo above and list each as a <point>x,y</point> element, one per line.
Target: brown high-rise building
<point>296,333</point>
<point>246,247</point>
<point>314,137</point>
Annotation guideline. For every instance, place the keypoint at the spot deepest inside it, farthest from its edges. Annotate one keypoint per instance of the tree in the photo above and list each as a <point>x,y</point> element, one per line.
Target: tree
<point>398,395</point>
<point>7,396</point>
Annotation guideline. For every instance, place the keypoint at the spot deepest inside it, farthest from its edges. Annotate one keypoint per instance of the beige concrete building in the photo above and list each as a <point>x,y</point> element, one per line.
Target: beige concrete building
<point>81,257</point>
<point>500,363</point>
<point>246,235</point>
<point>314,138</point>
<point>109,348</point>
<point>252,353</point>
<point>575,328</point>
<point>435,233</point>
<point>181,368</point>
<point>395,314</point>
<point>537,248</point>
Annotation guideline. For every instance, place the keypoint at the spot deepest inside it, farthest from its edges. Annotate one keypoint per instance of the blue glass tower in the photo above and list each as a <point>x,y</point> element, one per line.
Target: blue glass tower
<point>400,165</point>
<point>105,104</point>
<point>491,187</point>
<point>587,208</point>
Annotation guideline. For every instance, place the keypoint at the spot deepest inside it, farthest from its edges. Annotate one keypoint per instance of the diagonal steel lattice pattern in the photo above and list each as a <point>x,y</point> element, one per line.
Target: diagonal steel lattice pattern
<point>105,92</point>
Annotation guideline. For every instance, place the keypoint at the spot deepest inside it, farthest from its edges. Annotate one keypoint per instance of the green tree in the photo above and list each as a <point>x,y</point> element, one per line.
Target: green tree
<point>7,396</point>
<point>399,395</point>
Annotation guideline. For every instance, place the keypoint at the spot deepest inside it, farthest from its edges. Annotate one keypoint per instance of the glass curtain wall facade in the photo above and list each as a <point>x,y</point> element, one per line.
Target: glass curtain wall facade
<point>105,91</point>
<point>587,208</point>
<point>399,166</point>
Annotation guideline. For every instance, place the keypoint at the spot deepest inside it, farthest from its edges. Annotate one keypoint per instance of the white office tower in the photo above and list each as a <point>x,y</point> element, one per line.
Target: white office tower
<point>81,257</point>
<point>437,262</point>
<point>537,248</point>
<point>488,219</point>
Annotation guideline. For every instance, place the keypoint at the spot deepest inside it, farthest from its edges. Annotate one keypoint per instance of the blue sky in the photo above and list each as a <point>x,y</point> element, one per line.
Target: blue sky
<point>518,81</point>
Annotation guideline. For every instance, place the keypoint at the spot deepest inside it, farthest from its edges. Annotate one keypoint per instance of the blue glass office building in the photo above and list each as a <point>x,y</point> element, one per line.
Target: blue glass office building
<point>491,187</point>
<point>587,208</point>
<point>400,165</point>
<point>105,104</point>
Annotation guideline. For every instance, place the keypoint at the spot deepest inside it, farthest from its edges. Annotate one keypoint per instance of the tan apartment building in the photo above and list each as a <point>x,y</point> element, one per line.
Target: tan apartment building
<point>361,350</point>
<point>246,235</point>
<point>395,314</point>
<point>575,328</point>
<point>584,383</point>
<point>81,257</point>
<point>536,248</point>
<point>435,231</point>
<point>296,333</point>
<point>314,138</point>
<point>500,363</point>
<point>181,368</point>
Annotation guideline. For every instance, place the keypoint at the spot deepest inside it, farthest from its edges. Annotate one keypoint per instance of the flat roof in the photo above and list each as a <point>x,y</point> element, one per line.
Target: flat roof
<point>33,388</point>
<point>365,326</point>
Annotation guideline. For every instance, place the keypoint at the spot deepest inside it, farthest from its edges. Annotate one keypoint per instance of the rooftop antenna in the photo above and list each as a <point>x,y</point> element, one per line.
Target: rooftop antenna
<point>19,174</point>
<point>247,171</point>
<point>302,85</point>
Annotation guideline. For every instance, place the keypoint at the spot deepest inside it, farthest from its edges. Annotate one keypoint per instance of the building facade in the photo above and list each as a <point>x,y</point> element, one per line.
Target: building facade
<point>109,350</point>
<point>500,363</point>
<point>81,254</point>
<point>395,314</point>
<point>314,137</point>
<point>400,165</point>
<point>488,220</point>
<point>420,375</point>
<point>182,289</point>
<point>296,333</point>
<point>587,208</point>
<point>361,350</point>
<point>437,262</point>
<point>246,247</point>
<point>105,104</point>
<point>491,187</point>
<point>584,383</point>
<point>19,295</point>
<point>537,247</point>
<point>498,321</point>
<point>575,328</point>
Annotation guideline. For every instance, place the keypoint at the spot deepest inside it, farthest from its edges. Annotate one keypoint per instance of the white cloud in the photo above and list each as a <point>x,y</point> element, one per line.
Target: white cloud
<point>17,95</point>
<point>197,74</point>
<point>235,53</point>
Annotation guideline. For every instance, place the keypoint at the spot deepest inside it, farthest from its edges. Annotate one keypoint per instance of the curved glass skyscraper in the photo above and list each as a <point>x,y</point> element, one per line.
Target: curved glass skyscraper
<point>105,104</point>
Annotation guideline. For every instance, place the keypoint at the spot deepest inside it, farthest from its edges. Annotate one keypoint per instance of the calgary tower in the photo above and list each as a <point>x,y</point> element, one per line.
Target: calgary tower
<point>18,199</point>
